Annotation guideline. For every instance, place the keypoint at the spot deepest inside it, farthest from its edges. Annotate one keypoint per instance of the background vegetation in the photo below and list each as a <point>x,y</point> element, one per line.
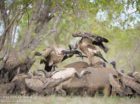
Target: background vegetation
<point>45,22</point>
<point>117,20</point>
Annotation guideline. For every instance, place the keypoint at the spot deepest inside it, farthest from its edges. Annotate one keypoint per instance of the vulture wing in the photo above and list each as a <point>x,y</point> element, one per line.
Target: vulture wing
<point>99,42</point>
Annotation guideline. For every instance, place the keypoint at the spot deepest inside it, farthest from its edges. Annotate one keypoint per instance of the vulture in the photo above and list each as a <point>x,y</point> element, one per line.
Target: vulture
<point>96,40</point>
<point>88,43</point>
<point>51,56</point>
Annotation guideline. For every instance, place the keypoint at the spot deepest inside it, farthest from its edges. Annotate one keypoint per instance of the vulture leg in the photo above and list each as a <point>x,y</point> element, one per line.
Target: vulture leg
<point>91,59</point>
<point>101,56</point>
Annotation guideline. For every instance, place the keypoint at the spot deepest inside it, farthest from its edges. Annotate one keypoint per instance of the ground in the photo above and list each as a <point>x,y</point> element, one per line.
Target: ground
<point>68,100</point>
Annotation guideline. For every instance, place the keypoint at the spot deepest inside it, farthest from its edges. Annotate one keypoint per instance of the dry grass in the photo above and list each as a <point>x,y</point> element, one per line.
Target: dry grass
<point>67,100</point>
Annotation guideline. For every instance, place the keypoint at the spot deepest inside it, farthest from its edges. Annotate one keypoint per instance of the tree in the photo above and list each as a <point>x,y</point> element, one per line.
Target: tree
<point>17,59</point>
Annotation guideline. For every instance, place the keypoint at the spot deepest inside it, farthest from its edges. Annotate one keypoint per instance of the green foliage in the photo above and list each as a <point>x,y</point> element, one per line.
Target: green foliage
<point>80,16</point>
<point>83,19</point>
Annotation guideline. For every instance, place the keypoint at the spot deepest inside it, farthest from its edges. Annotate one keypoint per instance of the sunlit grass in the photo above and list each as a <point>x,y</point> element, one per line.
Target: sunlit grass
<point>68,100</point>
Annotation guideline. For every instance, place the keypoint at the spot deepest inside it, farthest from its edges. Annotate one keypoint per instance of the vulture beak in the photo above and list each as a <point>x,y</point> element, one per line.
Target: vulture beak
<point>113,63</point>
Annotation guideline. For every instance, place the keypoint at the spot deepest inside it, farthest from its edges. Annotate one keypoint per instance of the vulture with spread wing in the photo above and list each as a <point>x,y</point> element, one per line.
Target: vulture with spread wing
<point>88,43</point>
<point>51,56</point>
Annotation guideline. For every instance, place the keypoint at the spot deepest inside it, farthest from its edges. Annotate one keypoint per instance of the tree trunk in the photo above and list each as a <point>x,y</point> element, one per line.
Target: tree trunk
<point>20,59</point>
